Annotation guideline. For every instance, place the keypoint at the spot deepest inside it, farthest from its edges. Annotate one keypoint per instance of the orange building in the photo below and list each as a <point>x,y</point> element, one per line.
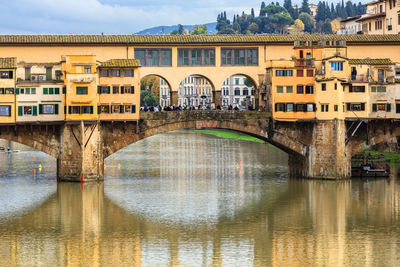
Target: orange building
<point>119,90</point>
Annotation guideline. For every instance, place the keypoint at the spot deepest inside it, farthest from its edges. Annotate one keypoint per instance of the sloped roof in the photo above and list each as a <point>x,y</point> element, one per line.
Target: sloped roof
<point>8,63</point>
<point>371,61</point>
<point>121,63</point>
<point>189,39</point>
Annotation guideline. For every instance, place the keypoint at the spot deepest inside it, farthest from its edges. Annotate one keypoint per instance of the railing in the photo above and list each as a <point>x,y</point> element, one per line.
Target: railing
<point>304,63</point>
<point>359,78</point>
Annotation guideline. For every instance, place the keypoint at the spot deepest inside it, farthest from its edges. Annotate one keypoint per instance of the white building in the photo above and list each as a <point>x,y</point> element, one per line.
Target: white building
<point>165,99</point>
<point>235,92</point>
<point>351,25</point>
<point>194,91</point>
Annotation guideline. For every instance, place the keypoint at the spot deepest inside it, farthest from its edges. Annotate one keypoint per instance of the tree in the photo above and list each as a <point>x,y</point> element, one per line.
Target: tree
<point>222,22</point>
<point>148,98</point>
<point>287,4</point>
<point>297,27</point>
<point>253,28</point>
<point>327,27</point>
<point>236,27</point>
<point>198,30</point>
<point>308,22</point>
<point>252,12</point>
<point>174,32</point>
<point>248,82</point>
<point>261,9</point>
<point>180,29</point>
<point>305,8</point>
<point>335,24</point>
<point>280,22</point>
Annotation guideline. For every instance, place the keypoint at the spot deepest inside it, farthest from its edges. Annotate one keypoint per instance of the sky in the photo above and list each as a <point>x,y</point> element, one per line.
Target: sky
<point>113,16</point>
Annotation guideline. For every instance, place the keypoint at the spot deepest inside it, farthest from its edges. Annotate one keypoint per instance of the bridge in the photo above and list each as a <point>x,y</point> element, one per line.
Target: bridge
<point>317,149</point>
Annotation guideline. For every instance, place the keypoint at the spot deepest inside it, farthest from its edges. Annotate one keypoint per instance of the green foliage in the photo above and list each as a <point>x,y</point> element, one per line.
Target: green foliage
<point>304,7</point>
<point>174,32</point>
<point>327,27</point>
<point>148,98</point>
<point>248,82</point>
<point>287,4</point>
<point>180,29</point>
<point>307,21</point>
<point>253,28</point>
<point>198,30</point>
<point>223,23</point>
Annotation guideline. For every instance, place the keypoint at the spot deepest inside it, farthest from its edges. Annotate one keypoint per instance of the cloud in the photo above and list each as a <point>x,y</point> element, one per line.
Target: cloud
<point>110,16</point>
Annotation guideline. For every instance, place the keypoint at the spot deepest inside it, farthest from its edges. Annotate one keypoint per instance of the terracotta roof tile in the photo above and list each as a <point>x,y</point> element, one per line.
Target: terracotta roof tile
<point>8,63</point>
<point>371,61</point>
<point>190,39</point>
<point>120,63</point>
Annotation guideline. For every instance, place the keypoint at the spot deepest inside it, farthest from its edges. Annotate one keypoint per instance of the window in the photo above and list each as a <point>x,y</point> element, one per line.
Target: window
<point>51,91</point>
<point>81,90</point>
<point>355,106</point>
<point>285,73</point>
<point>309,89</point>
<point>47,109</point>
<point>116,108</point>
<point>301,107</point>
<point>336,65</point>
<point>88,69</point>
<point>104,73</point>
<point>289,107</point>
<point>300,73</point>
<point>300,89</point>
<point>104,109</point>
<point>239,56</point>
<point>356,89</point>
<point>279,107</point>
<point>335,86</point>
<point>5,110</point>
<point>289,89</point>
<point>310,73</point>
<point>324,107</point>
<point>129,108</point>
<point>45,91</point>
<point>279,89</point>
<point>246,91</point>
<point>74,110</point>
<point>128,73</point>
<point>6,91</point>
<point>104,89</point>
<point>154,56</point>
<point>323,86</point>
<point>397,108</point>
<point>86,109</point>
<point>28,110</point>
<point>237,91</point>
<point>381,89</point>
<point>127,89</point>
<point>115,73</point>
<point>27,91</point>
<point>378,25</point>
<point>236,81</point>
<point>49,72</point>
<point>6,74</point>
<point>336,107</point>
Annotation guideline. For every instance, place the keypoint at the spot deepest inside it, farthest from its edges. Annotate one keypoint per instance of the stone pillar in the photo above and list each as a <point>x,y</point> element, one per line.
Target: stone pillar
<point>217,98</point>
<point>328,156</point>
<point>81,153</point>
<point>174,98</point>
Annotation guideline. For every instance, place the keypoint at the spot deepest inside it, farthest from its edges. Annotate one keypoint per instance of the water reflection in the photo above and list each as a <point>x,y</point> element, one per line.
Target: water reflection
<point>256,217</point>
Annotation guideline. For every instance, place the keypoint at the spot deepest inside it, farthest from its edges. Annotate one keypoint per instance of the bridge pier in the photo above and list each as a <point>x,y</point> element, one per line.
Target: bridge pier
<point>328,156</point>
<point>81,153</point>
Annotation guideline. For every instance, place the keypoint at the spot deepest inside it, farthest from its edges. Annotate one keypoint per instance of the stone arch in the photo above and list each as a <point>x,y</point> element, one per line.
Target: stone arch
<point>45,142</point>
<point>257,127</point>
<point>164,99</point>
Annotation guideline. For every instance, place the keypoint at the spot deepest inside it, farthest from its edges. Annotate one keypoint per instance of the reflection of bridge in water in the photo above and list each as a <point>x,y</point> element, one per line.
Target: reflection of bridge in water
<point>300,223</point>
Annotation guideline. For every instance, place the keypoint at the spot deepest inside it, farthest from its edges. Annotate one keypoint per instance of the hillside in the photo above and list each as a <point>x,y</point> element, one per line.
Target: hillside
<point>168,29</point>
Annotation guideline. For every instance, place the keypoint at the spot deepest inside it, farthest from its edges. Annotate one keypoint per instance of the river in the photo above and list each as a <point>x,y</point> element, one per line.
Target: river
<point>185,198</point>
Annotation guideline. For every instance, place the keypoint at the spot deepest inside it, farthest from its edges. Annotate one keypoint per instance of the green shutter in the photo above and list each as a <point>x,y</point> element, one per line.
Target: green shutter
<point>45,91</point>
<point>133,108</point>
<point>48,73</point>
<point>132,89</point>
<point>34,111</point>
<point>69,109</point>
<point>17,91</point>
<point>388,107</point>
<point>20,113</point>
<point>65,110</point>
<point>51,91</point>
<point>64,90</point>
<point>40,108</point>
<point>91,109</point>
<point>99,89</point>
<point>374,107</point>
<point>57,91</point>
<point>98,109</point>
<point>115,90</point>
<point>122,89</point>
<point>121,109</point>
<point>56,109</point>
<point>108,89</point>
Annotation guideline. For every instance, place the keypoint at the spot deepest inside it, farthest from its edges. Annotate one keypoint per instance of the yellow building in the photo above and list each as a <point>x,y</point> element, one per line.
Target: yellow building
<point>7,88</point>
<point>81,79</point>
<point>119,90</point>
<point>374,22</point>
<point>39,92</point>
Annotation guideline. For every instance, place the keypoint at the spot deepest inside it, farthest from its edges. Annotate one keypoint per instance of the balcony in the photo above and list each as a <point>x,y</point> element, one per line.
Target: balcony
<point>359,78</point>
<point>304,62</point>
